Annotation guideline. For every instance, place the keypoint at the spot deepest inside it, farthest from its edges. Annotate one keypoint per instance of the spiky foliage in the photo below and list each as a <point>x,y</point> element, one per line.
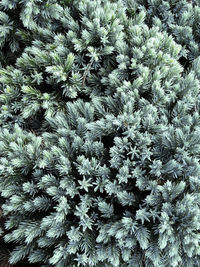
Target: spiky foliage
<point>99,139</point>
<point>181,19</point>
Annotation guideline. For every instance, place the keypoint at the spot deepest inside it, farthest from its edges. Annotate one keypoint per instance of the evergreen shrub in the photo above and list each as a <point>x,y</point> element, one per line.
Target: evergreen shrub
<point>100,132</point>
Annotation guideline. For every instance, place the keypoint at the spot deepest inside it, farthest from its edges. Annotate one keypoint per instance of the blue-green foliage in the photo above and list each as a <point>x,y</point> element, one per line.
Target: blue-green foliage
<point>100,133</point>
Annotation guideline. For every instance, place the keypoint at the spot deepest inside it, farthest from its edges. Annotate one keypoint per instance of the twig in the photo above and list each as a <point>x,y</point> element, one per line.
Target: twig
<point>86,72</point>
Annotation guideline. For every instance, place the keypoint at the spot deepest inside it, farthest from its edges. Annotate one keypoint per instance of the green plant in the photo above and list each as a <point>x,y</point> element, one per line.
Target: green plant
<point>99,137</point>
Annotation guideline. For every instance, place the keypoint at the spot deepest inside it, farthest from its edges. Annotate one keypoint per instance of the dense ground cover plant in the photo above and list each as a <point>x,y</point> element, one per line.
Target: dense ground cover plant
<point>99,138</point>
